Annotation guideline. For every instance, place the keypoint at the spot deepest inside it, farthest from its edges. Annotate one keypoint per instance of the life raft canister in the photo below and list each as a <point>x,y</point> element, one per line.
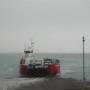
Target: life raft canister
<point>54,68</point>
<point>23,70</point>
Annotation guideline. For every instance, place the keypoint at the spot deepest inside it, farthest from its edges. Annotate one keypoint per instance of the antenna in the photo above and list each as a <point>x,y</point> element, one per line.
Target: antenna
<point>25,44</point>
<point>31,43</point>
<point>31,46</point>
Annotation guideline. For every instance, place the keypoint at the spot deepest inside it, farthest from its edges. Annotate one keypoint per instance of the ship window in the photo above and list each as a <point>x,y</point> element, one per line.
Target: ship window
<point>27,51</point>
<point>47,61</point>
<point>31,51</point>
<point>57,61</point>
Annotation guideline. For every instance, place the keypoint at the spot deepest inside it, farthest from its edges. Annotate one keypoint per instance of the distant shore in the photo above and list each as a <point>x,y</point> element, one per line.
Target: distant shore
<point>54,83</point>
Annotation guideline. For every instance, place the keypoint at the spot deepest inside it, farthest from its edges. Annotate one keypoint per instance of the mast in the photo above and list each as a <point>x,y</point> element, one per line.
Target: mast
<point>29,48</point>
<point>32,46</point>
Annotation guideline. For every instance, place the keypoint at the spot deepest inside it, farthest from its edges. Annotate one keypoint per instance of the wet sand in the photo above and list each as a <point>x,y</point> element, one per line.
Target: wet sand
<point>52,83</point>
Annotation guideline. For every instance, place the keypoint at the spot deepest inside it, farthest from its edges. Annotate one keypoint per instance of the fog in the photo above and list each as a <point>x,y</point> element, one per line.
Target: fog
<point>55,26</point>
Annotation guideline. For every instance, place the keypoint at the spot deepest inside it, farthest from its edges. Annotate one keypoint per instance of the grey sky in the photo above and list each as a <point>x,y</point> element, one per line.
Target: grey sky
<point>55,25</point>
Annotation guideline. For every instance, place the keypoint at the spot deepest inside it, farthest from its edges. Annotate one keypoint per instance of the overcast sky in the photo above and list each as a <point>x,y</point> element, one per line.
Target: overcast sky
<point>54,25</point>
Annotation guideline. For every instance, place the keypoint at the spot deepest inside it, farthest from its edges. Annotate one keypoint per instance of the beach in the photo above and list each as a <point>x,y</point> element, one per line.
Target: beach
<point>51,83</point>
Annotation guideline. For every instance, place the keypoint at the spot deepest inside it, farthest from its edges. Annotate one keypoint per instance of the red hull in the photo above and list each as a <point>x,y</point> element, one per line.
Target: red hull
<point>23,70</point>
<point>52,69</point>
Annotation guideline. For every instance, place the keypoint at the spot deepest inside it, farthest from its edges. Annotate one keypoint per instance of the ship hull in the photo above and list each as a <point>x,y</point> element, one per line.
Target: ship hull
<point>39,72</point>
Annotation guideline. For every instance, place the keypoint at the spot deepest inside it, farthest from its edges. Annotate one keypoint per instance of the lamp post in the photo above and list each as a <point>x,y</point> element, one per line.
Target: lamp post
<point>83,39</point>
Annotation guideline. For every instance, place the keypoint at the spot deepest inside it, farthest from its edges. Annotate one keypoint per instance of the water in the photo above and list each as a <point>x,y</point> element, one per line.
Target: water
<point>71,65</point>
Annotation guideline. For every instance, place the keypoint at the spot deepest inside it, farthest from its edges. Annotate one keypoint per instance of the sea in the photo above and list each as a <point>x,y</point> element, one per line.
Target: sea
<point>71,65</point>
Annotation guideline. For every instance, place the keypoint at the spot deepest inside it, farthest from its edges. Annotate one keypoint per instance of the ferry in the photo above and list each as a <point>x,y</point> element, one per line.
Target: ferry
<point>31,66</point>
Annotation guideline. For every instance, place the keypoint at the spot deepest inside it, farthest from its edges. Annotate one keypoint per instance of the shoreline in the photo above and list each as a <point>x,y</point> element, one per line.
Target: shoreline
<point>53,83</point>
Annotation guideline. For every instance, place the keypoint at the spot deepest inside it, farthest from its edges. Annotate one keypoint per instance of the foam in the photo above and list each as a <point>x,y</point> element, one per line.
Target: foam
<point>10,83</point>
